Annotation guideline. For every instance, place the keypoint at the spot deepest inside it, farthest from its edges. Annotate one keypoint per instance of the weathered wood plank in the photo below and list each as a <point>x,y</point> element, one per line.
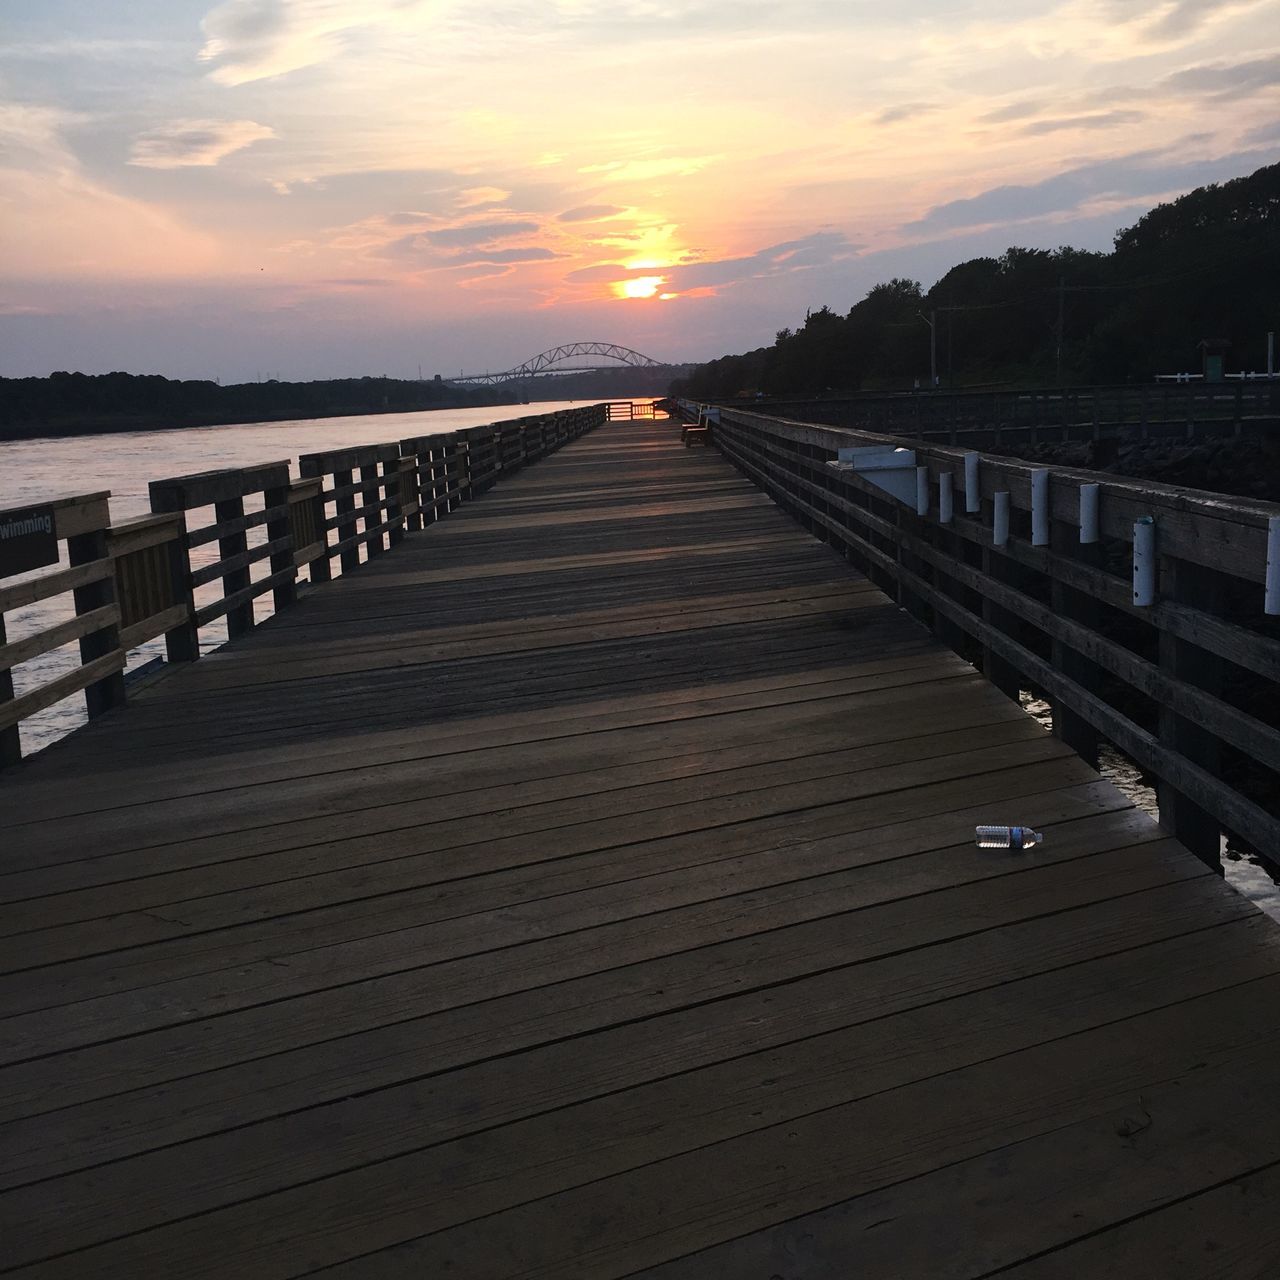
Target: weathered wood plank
<point>606,1130</point>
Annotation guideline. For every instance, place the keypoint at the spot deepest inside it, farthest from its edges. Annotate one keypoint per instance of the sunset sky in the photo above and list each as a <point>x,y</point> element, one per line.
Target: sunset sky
<point>311,188</point>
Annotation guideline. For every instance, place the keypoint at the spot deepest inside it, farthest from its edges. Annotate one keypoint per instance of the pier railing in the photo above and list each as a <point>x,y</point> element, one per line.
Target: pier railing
<point>990,419</point>
<point>634,410</point>
<point>218,541</point>
<point>1145,614</point>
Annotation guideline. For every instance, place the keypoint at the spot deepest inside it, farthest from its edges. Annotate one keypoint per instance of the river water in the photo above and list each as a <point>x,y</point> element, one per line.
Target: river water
<point>33,471</point>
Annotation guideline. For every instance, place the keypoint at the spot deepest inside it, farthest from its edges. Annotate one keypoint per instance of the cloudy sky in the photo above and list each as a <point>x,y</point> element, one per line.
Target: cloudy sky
<point>310,188</point>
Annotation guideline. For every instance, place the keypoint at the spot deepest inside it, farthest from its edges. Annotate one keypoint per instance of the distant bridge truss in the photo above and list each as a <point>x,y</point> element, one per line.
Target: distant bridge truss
<point>558,360</point>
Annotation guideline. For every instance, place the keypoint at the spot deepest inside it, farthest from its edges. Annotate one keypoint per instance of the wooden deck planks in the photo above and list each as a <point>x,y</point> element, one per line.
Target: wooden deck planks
<point>588,889</point>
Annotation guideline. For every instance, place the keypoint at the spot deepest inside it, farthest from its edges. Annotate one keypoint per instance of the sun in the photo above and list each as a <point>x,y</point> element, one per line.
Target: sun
<point>639,287</point>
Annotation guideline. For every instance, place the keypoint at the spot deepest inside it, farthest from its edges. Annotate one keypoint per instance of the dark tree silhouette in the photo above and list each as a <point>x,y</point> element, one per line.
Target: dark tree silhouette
<point>1204,266</point>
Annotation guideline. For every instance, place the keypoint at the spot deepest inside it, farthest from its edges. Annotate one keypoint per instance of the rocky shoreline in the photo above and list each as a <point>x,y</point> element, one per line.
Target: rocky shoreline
<point>1243,466</point>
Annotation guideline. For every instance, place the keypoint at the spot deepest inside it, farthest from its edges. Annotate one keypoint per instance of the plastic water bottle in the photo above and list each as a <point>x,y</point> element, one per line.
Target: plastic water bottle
<point>1008,838</point>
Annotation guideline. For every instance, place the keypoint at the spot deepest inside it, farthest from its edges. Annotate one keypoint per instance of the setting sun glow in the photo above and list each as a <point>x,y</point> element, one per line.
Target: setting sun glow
<point>640,287</point>
<point>332,188</point>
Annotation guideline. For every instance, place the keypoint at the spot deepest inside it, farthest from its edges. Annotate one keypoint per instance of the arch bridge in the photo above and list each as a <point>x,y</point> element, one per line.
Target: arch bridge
<point>558,360</point>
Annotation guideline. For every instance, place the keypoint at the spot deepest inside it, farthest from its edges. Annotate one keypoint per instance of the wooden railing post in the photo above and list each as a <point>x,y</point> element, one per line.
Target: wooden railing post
<point>344,505</point>
<point>285,592</point>
<point>321,568</point>
<point>433,469</point>
<point>415,479</point>
<point>306,529</point>
<point>225,491</point>
<point>10,736</point>
<point>239,619</point>
<point>377,486</point>
<point>103,695</point>
<point>182,642</point>
<point>153,597</point>
<point>1077,606</point>
<point>1199,830</point>
<point>31,543</point>
<point>401,485</point>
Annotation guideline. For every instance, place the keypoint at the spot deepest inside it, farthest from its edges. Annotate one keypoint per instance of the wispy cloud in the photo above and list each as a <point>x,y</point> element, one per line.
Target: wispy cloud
<point>248,40</point>
<point>1175,21</point>
<point>1151,173</point>
<point>1226,80</point>
<point>479,232</point>
<point>71,225</point>
<point>479,197</point>
<point>187,143</point>
<point>591,213</point>
<point>903,111</point>
<point>1019,110</point>
<point>821,249</point>
<point>1169,20</point>
<point>646,170</point>
<point>1105,120</point>
<point>1263,134</point>
<point>505,257</point>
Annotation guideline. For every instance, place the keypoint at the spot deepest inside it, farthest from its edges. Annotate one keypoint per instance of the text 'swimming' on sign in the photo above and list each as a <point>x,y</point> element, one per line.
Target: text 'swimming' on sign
<point>28,540</point>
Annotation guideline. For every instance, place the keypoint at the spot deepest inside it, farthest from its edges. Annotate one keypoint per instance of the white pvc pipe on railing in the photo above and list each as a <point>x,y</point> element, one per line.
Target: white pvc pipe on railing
<point>1040,508</point>
<point>1090,530</point>
<point>1000,519</point>
<point>972,483</point>
<point>1144,562</point>
<point>1271,599</point>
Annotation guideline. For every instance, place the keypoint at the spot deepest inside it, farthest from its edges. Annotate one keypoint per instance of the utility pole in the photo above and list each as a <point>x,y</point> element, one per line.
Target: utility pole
<point>931,321</point>
<point>1062,301</point>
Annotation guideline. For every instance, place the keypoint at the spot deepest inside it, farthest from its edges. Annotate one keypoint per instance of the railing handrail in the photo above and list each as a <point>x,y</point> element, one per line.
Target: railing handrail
<point>1251,516</point>
<point>986,417</point>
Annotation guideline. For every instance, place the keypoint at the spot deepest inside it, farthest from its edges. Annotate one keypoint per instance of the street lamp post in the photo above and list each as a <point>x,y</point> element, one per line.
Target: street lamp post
<point>931,321</point>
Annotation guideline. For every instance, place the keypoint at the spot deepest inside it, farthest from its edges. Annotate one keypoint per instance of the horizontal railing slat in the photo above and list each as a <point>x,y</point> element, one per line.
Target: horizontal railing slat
<point>344,518</point>
<point>220,568</point>
<point>149,628</point>
<point>217,608</point>
<point>55,637</point>
<point>76,681</point>
<point>240,524</point>
<point>53,584</point>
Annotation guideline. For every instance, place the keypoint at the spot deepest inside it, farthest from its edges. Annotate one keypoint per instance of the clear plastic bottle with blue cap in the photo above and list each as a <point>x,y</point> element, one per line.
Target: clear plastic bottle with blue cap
<point>1008,838</point>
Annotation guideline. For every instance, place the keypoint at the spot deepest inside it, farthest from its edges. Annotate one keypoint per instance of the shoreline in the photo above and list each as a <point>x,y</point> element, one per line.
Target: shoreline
<point>101,427</point>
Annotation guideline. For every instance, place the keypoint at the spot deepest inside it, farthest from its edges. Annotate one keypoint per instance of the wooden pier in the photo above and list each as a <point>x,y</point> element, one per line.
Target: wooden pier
<point>586,888</point>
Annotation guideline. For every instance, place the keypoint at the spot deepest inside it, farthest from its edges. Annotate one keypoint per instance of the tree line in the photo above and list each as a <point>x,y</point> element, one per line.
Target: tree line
<point>1203,267</point>
<point>71,403</point>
